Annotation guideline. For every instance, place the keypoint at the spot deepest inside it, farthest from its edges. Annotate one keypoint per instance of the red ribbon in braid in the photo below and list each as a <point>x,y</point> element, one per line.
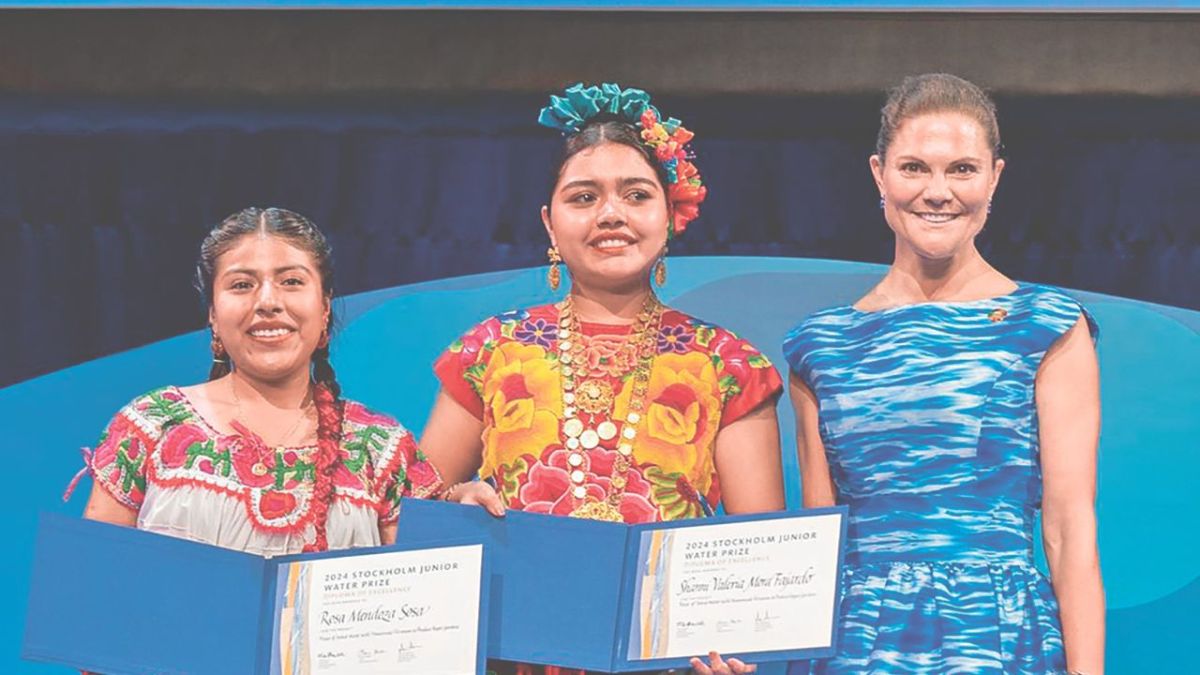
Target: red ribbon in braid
<point>329,451</point>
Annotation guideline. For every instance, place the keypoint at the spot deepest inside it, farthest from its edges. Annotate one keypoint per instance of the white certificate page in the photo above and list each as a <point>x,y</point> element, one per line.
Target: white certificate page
<point>394,612</point>
<point>751,586</point>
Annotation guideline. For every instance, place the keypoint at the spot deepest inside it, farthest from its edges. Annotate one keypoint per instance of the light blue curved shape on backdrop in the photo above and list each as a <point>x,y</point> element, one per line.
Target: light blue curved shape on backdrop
<point>1149,455</point>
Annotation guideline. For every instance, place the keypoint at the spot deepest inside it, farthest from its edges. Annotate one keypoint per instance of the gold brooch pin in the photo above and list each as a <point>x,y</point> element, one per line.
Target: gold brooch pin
<point>997,315</point>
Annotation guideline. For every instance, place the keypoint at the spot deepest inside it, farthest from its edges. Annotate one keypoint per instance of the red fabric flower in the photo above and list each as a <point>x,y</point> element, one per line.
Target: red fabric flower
<point>682,136</point>
<point>685,201</point>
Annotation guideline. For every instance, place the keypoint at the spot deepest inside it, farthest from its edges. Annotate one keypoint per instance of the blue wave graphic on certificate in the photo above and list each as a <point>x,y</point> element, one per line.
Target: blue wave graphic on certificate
<point>654,613</point>
<point>292,656</point>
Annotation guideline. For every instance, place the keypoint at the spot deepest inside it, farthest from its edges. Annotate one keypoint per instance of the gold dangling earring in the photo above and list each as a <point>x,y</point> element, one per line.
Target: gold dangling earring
<point>660,269</point>
<point>217,347</point>
<point>553,275</point>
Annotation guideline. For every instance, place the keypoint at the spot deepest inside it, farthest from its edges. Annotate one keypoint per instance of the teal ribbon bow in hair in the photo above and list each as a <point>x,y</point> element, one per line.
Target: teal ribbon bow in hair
<point>578,104</point>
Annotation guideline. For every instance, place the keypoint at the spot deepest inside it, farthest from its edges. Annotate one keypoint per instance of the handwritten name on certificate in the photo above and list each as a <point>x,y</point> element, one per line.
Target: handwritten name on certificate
<point>394,612</point>
<point>750,586</point>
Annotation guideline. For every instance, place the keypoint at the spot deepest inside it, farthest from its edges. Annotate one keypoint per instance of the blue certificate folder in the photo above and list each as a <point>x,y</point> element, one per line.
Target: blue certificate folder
<point>564,588</point>
<point>116,600</point>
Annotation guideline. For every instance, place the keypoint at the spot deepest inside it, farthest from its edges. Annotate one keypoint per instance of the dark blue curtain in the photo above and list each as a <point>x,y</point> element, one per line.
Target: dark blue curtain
<point>103,203</point>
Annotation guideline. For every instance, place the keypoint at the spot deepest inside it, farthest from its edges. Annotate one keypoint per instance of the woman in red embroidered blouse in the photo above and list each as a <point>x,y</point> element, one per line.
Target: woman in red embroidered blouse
<point>265,457</point>
<point>609,405</point>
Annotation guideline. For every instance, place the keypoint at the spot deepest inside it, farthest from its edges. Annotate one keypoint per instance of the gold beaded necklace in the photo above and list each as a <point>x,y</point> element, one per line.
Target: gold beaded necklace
<point>595,397</point>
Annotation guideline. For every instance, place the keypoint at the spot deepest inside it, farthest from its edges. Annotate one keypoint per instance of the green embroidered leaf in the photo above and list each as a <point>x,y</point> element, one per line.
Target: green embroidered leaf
<point>729,387</point>
<point>704,334</point>
<point>718,362</point>
<point>664,489</point>
<point>508,476</point>
<point>280,470</point>
<point>455,347</point>
<point>758,361</point>
<point>366,440</point>
<point>728,382</point>
<point>222,462</point>
<point>474,377</point>
<point>127,466</point>
<point>306,471</point>
<point>168,412</point>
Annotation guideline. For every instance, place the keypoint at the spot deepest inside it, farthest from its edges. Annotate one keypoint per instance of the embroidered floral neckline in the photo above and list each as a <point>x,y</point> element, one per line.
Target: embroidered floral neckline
<point>208,426</point>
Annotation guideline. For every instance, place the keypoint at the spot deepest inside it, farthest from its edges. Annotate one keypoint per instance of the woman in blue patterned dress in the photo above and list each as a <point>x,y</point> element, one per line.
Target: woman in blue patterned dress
<point>945,408</point>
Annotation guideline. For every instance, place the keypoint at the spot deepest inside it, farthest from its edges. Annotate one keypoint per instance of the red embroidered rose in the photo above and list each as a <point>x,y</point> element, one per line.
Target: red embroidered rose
<point>177,441</point>
<point>275,505</point>
<point>549,489</point>
<point>547,485</point>
<point>687,418</point>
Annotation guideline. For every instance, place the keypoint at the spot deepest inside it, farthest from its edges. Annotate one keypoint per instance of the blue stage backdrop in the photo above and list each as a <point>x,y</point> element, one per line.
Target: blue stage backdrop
<point>103,203</point>
<point>1149,455</point>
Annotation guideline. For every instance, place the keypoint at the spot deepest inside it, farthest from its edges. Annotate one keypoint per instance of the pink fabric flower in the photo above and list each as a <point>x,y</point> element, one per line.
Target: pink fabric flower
<point>175,444</point>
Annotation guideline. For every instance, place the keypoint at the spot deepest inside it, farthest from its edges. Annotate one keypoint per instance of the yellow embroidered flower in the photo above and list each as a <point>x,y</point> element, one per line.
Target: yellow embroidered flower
<point>682,414</point>
<point>523,400</point>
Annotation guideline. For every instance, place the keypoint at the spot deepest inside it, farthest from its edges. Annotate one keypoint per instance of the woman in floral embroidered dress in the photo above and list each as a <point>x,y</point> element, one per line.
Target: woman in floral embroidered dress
<point>265,457</point>
<point>609,405</point>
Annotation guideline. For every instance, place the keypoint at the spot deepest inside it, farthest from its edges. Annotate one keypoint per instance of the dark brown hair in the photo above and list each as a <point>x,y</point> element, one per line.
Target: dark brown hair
<point>300,232</point>
<point>289,226</point>
<point>937,92</point>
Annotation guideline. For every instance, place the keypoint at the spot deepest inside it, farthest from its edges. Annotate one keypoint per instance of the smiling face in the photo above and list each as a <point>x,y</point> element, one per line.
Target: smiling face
<point>268,307</point>
<point>936,181</point>
<point>608,217</point>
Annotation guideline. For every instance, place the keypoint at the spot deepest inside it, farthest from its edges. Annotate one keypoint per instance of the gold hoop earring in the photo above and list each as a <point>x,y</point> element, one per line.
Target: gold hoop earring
<point>553,275</point>
<point>660,269</point>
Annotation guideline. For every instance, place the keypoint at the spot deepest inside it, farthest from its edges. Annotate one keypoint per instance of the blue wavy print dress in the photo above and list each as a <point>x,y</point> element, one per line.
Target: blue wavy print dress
<point>929,424</point>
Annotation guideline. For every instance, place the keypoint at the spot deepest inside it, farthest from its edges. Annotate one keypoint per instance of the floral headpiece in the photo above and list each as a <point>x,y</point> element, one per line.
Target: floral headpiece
<point>666,138</point>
